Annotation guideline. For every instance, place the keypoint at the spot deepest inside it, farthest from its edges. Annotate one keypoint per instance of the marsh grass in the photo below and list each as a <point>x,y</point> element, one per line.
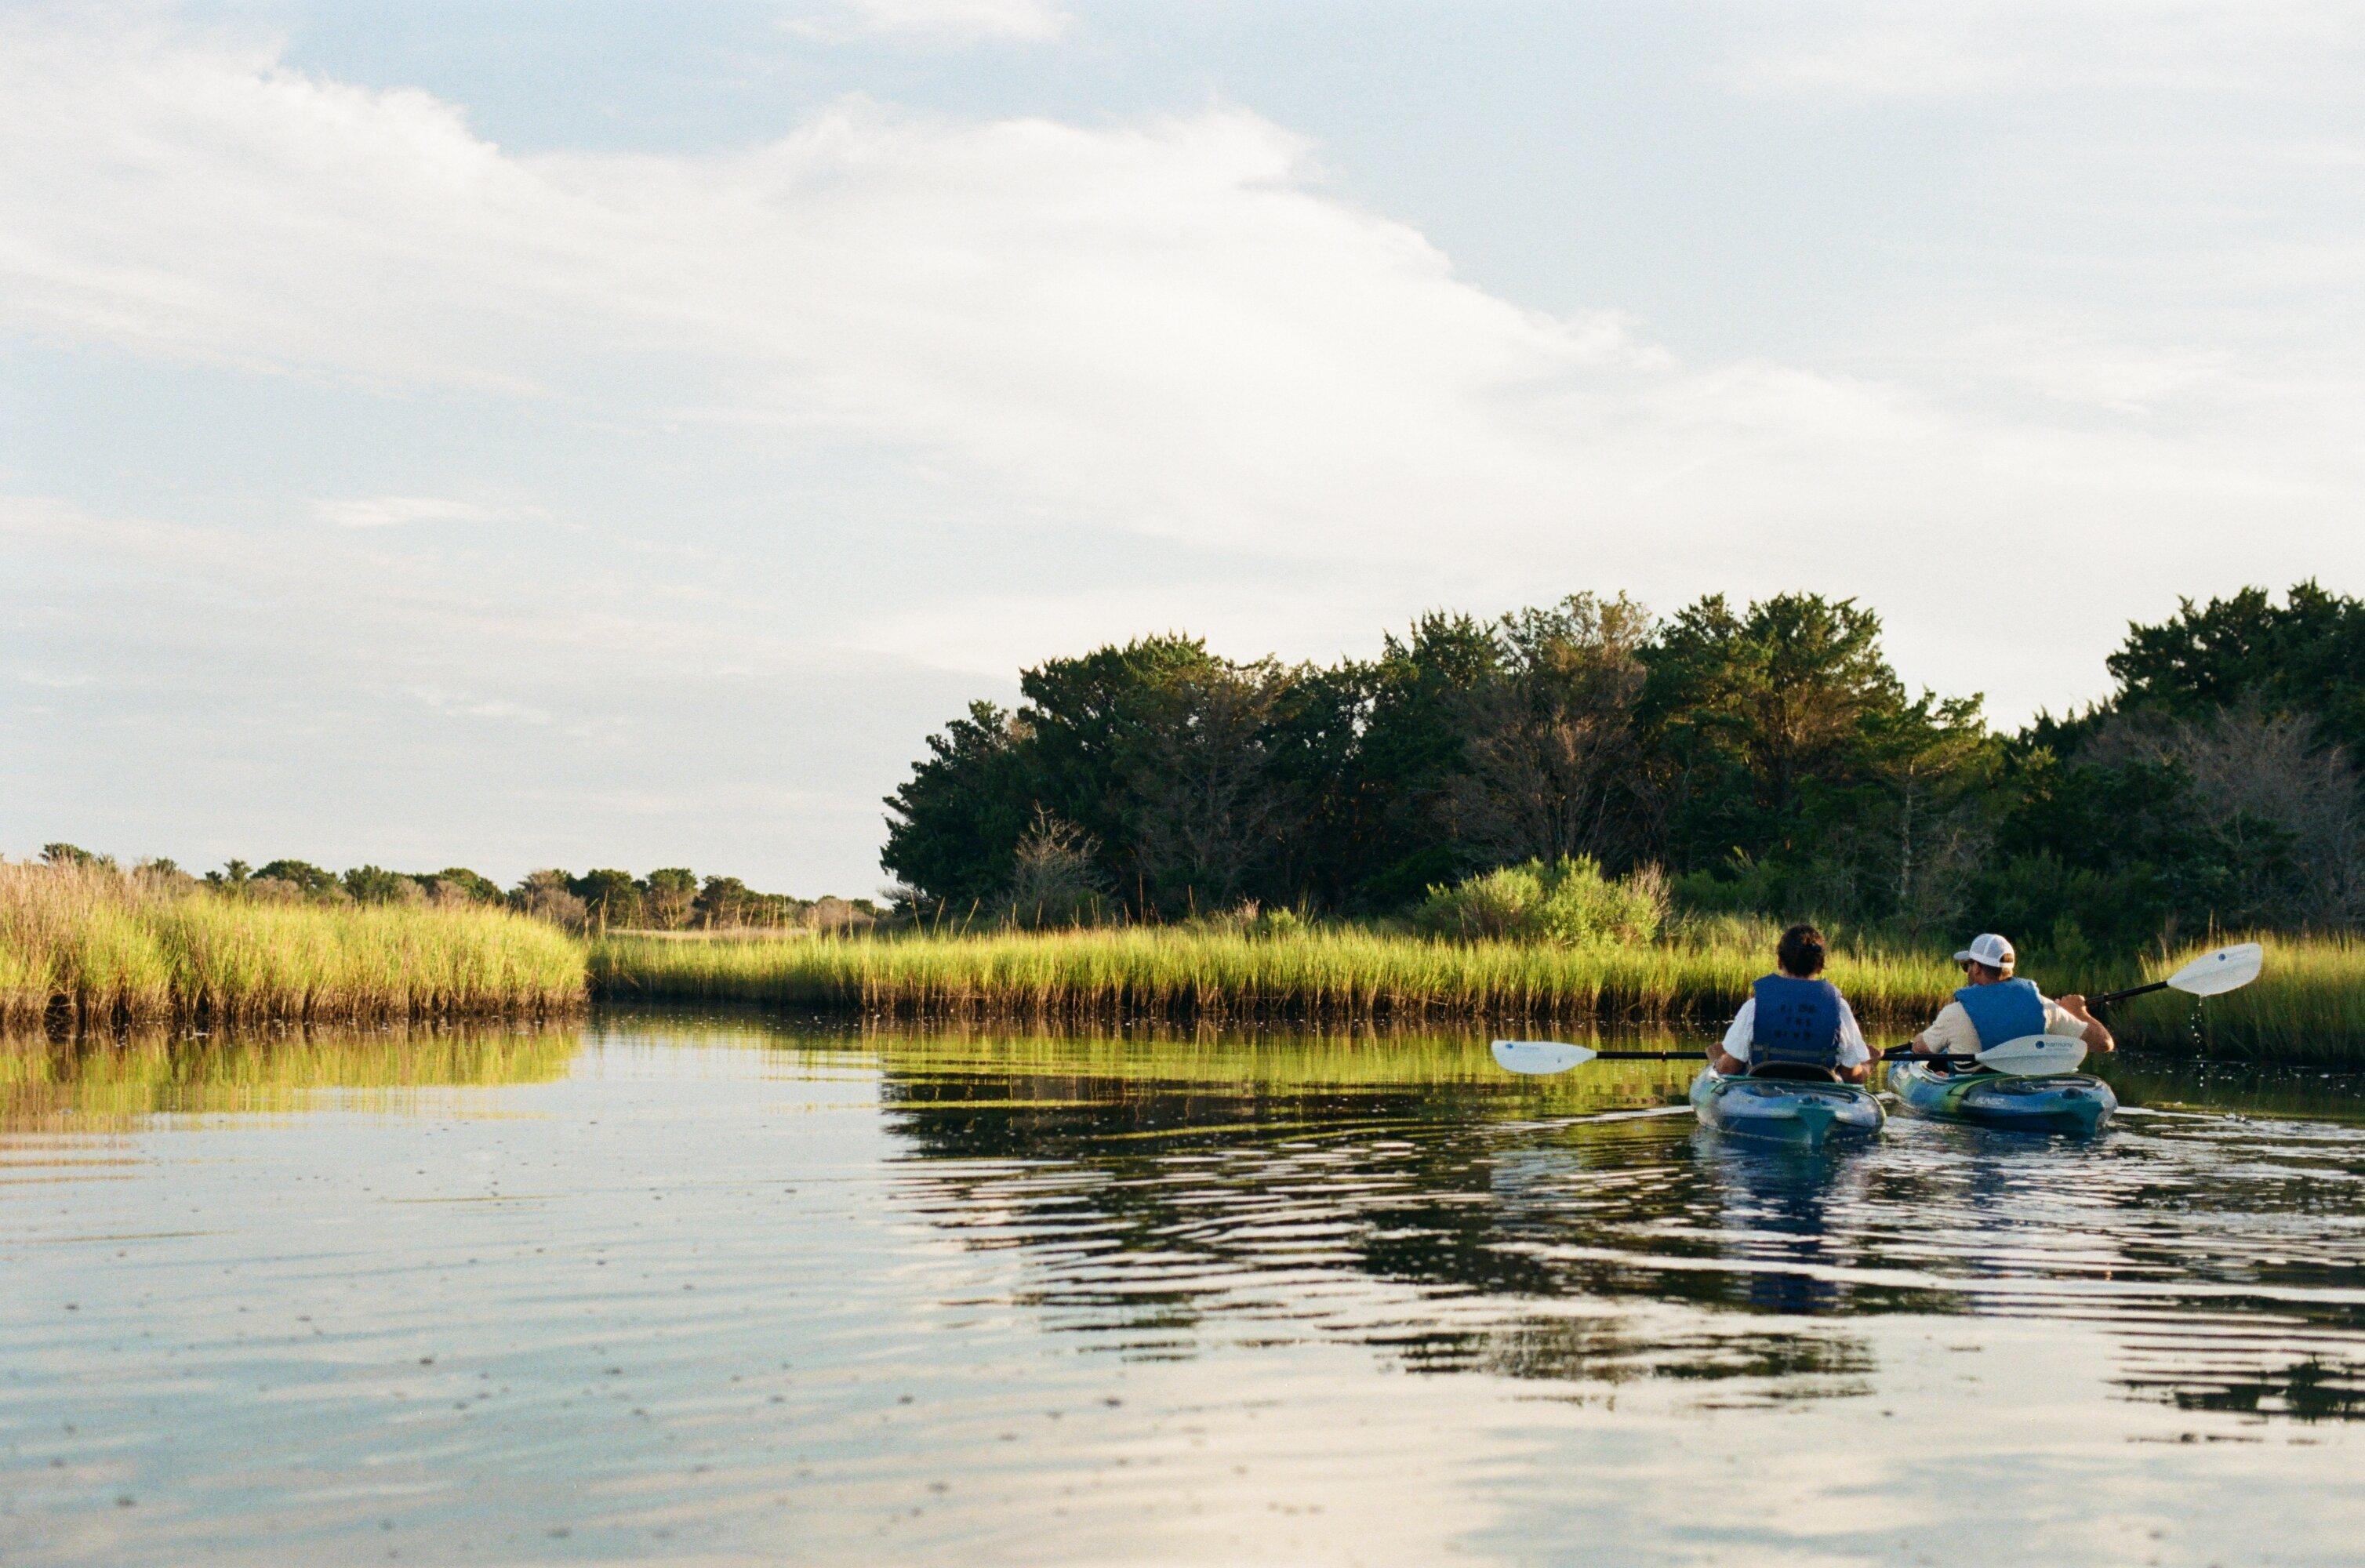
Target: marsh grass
<point>102,949</point>
<point>1338,976</point>
<point>2308,1006</point>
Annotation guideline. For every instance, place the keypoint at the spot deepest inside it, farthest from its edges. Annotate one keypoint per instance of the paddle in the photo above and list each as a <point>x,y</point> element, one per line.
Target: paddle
<point>2211,974</point>
<point>2028,1055</point>
<point>1542,1057</point>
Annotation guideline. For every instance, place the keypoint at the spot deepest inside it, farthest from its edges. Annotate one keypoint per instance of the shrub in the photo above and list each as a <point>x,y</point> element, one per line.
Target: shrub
<point>1565,900</point>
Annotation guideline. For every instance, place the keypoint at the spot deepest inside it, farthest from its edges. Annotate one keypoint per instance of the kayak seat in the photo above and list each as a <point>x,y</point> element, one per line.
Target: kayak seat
<point>1794,1072</point>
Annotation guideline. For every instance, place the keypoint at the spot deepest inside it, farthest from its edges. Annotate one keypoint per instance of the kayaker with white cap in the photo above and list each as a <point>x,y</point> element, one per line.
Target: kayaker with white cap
<point>1993,1007</point>
<point>1795,1023</point>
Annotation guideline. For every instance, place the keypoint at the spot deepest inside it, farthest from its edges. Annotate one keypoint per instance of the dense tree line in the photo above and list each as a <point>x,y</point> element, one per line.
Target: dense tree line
<point>1768,758</point>
<point>669,899</point>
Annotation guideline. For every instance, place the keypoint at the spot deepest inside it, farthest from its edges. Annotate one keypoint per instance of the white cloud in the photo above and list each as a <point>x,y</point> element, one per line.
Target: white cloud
<point>1164,328</point>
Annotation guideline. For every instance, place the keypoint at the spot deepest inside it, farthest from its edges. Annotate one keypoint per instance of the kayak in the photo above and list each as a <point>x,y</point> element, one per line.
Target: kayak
<point>2055,1103</point>
<point>1802,1112</point>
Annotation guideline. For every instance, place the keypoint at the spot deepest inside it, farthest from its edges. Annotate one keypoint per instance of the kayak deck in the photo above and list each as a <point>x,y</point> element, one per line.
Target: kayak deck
<point>1804,1113</point>
<point>2076,1102</point>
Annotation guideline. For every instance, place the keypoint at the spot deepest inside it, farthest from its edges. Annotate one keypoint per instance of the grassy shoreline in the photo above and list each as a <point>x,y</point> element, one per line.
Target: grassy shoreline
<point>1332,977</point>
<point>2309,1007</point>
<point>84,950</point>
<point>98,949</point>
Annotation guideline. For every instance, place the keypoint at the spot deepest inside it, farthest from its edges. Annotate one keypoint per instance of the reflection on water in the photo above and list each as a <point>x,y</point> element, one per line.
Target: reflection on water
<point>710,1290</point>
<point>89,1084</point>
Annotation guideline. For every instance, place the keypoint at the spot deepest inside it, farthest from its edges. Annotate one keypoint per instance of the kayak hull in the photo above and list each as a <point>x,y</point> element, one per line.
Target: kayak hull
<point>2074,1102</point>
<point>1803,1115</point>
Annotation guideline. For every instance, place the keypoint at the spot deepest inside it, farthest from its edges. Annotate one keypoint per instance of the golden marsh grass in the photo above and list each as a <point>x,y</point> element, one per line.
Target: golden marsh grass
<point>106,949</point>
<point>2309,1006</point>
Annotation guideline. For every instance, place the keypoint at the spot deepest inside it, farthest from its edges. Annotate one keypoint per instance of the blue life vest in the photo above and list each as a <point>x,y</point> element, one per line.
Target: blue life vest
<point>2004,1011</point>
<point>1797,1023</point>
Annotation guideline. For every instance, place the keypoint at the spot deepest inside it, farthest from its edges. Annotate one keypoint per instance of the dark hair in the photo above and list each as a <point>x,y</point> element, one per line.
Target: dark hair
<point>1801,951</point>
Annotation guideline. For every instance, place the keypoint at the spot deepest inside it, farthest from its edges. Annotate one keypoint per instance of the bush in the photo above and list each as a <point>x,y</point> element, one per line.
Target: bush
<point>1565,900</point>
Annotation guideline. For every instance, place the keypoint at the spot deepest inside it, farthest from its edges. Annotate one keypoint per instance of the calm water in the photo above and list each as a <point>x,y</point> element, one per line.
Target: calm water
<point>705,1292</point>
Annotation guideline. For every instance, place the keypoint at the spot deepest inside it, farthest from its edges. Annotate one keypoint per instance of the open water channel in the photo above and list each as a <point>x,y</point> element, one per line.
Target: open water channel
<point>712,1290</point>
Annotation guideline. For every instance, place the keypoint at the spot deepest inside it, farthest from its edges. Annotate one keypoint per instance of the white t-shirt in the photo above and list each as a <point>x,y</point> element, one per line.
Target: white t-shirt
<point>1853,1052</point>
<point>1953,1034</point>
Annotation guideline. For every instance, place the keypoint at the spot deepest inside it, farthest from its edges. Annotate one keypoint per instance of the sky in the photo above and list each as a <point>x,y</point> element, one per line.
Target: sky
<point>587,432</point>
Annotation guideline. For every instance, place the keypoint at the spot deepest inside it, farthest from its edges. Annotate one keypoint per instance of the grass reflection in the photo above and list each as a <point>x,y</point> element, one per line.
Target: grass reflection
<point>115,1083</point>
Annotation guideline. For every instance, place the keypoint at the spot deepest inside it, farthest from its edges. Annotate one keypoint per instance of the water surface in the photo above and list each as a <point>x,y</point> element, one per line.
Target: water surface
<point>713,1291</point>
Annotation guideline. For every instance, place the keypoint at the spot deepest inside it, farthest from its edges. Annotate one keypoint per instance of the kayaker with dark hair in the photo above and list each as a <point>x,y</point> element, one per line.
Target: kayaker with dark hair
<point>1993,1007</point>
<point>1794,1022</point>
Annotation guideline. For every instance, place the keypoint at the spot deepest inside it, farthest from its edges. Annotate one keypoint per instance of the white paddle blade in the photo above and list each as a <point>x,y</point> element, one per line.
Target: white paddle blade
<point>2227,969</point>
<point>1540,1057</point>
<point>2034,1056</point>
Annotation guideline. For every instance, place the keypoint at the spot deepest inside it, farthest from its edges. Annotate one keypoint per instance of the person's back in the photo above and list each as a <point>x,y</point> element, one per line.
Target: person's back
<point>1796,1024</point>
<point>1994,1006</point>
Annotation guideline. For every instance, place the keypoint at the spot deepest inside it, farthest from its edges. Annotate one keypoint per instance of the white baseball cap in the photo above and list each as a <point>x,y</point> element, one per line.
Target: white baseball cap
<point>1990,950</point>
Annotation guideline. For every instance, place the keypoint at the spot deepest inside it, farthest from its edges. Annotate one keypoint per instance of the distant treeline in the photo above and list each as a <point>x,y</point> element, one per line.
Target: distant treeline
<point>1766,760</point>
<point>670,898</point>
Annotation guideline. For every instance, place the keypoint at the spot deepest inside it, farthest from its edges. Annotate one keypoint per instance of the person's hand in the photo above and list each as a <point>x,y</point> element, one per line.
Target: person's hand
<point>2074,1004</point>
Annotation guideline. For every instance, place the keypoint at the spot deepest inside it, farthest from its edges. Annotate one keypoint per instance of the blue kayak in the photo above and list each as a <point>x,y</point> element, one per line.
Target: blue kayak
<point>2056,1103</point>
<point>1804,1112</point>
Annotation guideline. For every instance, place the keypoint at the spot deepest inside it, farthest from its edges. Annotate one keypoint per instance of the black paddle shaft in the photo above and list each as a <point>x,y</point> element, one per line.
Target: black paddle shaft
<point>2110,996</point>
<point>1646,1056</point>
<point>1906,1053</point>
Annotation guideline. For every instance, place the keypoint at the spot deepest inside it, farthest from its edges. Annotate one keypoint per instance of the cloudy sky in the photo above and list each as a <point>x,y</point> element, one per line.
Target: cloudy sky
<point>595,432</point>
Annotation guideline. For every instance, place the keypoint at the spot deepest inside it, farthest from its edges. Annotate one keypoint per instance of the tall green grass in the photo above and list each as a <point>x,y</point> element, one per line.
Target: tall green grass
<point>2309,1006</point>
<point>1339,976</point>
<point>105,949</point>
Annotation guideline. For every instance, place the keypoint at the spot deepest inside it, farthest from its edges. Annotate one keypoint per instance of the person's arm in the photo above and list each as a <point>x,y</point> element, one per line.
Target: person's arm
<point>1731,1055</point>
<point>1947,1033</point>
<point>2096,1034</point>
<point>1856,1052</point>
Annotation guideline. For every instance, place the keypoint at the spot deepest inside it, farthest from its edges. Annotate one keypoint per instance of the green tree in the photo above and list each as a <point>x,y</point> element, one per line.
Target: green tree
<point>2119,853</point>
<point>376,884</point>
<point>1766,726</point>
<point>1549,757</point>
<point>1314,742</point>
<point>2306,655</point>
<point>668,895</point>
<point>459,882</point>
<point>312,881</point>
<point>1412,749</point>
<point>724,903</point>
<point>953,827</point>
<point>610,898</point>
<point>1206,803</point>
<point>548,894</point>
